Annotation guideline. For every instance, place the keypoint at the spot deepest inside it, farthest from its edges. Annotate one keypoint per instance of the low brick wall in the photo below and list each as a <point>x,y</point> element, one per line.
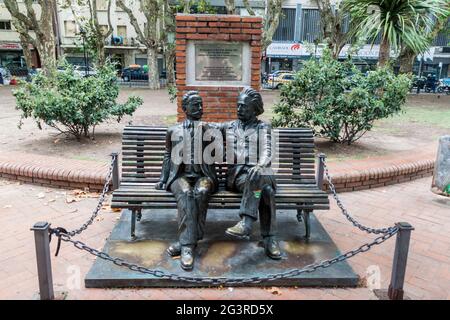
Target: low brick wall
<point>35,172</point>
<point>219,103</point>
<point>381,177</point>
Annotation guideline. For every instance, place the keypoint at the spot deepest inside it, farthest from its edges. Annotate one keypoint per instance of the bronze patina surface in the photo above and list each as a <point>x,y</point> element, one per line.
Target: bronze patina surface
<point>218,255</point>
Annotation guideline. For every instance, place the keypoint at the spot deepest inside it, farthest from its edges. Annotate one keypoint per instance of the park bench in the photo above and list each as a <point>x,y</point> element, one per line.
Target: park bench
<point>299,187</point>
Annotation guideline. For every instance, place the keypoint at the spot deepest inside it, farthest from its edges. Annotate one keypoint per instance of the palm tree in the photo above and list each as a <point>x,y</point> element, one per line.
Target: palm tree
<point>396,20</point>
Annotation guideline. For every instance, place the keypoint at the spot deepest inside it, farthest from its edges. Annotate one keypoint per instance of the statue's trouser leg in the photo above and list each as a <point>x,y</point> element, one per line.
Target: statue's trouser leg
<point>187,213</point>
<point>202,192</point>
<point>267,212</point>
<point>249,202</point>
<point>252,194</point>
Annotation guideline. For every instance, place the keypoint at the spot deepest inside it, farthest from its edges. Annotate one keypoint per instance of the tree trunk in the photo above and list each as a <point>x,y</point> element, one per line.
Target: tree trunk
<point>170,65</point>
<point>100,53</point>
<point>26,51</point>
<point>153,73</point>
<point>406,60</point>
<point>383,56</point>
<point>230,6</point>
<point>47,54</point>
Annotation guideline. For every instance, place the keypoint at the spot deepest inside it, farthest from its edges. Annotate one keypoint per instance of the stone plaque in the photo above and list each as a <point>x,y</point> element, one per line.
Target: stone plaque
<point>218,62</point>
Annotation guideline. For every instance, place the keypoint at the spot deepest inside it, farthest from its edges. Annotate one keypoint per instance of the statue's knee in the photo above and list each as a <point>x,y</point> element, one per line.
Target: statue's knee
<point>202,192</point>
<point>268,190</point>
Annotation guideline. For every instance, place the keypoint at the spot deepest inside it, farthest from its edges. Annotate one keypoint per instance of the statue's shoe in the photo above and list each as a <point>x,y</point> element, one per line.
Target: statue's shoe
<point>187,258</point>
<point>174,249</point>
<point>272,248</point>
<point>241,230</point>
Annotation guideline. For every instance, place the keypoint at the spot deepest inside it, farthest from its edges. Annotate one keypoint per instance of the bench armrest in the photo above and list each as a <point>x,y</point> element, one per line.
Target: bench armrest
<point>115,172</point>
<point>320,170</point>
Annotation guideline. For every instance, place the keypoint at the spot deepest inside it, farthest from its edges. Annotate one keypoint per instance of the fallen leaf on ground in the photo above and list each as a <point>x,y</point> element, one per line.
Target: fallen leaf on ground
<point>7,206</point>
<point>275,291</point>
<point>78,192</point>
<point>41,195</point>
<point>52,200</point>
<point>116,209</point>
<point>70,199</point>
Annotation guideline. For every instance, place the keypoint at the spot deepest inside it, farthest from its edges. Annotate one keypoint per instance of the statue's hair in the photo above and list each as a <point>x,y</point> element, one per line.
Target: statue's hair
<point>186,98</point>
<point>255,98</point>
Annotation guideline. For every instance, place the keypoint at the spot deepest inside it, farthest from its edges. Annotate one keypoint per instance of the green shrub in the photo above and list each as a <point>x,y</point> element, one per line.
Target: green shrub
<point>337,100</point>
<point>73,104</point>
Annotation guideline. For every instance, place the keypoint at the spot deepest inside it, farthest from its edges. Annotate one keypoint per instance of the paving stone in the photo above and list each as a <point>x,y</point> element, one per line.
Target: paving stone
<point>427,277</point>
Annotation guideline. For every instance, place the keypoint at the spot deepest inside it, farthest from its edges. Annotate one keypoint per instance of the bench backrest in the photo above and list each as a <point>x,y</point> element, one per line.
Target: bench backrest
<point>143,150</point>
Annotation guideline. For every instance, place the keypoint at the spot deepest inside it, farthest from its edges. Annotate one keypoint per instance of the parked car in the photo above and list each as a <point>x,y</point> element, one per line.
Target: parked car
<point>6,74</point>
<point>133,73</point>
<point>84,71</point>
<point>32,72</point>
<point>281,80</point>
<point>278,73</point>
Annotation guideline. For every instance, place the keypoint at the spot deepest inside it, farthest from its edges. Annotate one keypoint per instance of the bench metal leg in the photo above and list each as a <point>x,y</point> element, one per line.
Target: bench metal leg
<point>133,224</point>
<point>307,223</point>
<point>299,215</point>
<point>139,215</point>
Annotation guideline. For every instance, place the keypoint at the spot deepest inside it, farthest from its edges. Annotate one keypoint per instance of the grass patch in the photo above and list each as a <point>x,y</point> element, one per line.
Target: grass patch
<point>428,116</point>
<point>170,120</point>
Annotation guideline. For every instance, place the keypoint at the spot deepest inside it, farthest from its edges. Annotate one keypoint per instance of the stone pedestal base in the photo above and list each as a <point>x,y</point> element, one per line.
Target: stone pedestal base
<point>218,255</point>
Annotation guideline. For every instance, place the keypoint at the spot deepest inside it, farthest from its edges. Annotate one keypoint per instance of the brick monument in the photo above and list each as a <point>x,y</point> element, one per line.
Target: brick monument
<point>217,55</point>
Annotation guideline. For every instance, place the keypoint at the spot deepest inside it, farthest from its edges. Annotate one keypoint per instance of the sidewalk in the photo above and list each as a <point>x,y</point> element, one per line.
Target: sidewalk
<point>428,273</point>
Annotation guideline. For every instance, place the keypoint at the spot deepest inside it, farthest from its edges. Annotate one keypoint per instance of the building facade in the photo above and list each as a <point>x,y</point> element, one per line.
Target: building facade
<point>293,41</point>
<point>122,46</point>
<point>11,52</point>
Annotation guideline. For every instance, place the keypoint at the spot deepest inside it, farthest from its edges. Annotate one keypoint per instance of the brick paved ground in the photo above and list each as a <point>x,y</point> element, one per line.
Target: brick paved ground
<point>428,274</point>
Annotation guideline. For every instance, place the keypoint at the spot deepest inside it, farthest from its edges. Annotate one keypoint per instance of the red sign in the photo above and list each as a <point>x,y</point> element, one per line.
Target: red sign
<point>10,45</point>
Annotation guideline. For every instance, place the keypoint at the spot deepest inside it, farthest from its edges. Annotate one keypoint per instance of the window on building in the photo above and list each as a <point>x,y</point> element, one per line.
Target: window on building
<point>102,5</point>
<point>70,28</point>
<point>122,31</point>
<point>286,27</point>
<point>5,25</point>
<point>311,29</point>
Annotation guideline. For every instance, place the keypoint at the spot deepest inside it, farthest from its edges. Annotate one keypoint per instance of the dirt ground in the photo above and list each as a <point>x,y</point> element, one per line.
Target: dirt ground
<point>426,117</point>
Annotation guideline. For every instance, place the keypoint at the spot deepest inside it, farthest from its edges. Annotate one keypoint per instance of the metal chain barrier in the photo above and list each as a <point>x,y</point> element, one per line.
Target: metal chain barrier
<point>66,236</point>
<point>221,280</point>
<point>100,201</point>
<point>345,212</point>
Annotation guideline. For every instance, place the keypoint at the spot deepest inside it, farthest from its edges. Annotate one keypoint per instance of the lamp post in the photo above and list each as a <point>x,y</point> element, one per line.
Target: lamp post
<point>83,35</point>
<point>316,43</point>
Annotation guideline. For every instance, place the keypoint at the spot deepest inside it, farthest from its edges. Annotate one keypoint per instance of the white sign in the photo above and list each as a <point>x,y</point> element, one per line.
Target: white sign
<point>283,49</point>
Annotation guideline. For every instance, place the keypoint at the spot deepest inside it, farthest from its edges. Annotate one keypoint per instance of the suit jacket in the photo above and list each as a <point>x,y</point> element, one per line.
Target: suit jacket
<point>233,129</point>
<point>171,170</point>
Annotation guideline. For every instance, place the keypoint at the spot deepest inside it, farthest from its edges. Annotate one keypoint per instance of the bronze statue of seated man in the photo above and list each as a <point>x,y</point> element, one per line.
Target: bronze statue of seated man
<point>250,172</point>
<point>188,177</point>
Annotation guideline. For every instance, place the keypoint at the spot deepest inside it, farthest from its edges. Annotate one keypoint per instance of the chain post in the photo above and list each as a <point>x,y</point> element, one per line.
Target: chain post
<point>44,263</point>
<point>320,170</point>
<point>115,170</point>
<point>395,291</point>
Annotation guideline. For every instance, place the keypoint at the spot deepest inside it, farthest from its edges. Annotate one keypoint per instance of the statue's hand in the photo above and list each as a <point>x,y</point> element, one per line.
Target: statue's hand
<point>160,186</point>
<point>253,173</point>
